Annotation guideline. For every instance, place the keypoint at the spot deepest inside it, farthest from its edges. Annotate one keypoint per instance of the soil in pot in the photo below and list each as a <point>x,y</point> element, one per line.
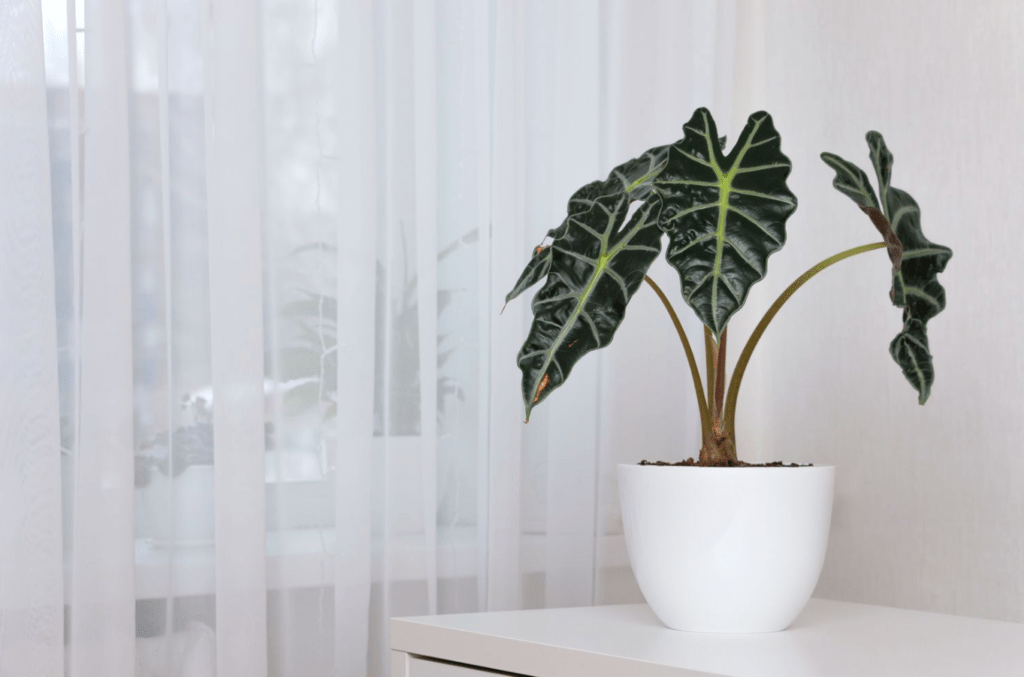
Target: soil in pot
<point>729,464</point>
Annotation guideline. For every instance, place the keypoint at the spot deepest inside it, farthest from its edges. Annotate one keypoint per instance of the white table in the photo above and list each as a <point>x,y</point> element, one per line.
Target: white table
<point>829,639</point>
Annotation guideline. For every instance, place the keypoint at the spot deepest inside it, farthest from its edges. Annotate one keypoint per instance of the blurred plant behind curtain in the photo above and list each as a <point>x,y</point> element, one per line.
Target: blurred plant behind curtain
<point>252,259</point>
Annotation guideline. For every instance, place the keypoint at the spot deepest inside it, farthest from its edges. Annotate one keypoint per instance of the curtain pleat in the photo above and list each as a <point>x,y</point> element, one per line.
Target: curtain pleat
<point>233,95</point>
<point>424,58</point>
<point>507,168</point>
<point>163,59</point>
<point>102,612</point>
<point>478,142</point>
<point>357,345</point>
<point>31,562</point>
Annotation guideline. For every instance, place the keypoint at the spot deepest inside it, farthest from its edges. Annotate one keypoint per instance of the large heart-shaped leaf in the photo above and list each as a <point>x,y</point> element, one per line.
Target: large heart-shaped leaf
<point>724,214</point>
<point>633,178</point>
<point>915,285</point>
<point>594,264</point>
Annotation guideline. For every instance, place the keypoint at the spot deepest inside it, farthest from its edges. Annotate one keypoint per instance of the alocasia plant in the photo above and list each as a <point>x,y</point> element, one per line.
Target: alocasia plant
<point>723,216</point>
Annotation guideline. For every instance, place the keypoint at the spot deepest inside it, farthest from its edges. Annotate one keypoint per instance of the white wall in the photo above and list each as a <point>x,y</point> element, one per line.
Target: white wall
<point>929,511</point>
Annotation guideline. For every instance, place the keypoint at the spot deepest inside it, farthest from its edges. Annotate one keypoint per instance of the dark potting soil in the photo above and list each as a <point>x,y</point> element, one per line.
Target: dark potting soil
<point>730,464</point>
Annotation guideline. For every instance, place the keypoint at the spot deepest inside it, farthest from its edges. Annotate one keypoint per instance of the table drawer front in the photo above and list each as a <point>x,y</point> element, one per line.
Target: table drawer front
<point>418,667</point>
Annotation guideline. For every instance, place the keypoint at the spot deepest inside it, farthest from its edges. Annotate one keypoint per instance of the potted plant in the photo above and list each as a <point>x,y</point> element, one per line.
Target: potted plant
<point>716,544</point>
<point>174,481</point>
<point>174,486</point>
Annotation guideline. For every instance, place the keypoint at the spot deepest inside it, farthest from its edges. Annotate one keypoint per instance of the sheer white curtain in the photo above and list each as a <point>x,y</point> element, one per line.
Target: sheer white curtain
<point>252,260</point>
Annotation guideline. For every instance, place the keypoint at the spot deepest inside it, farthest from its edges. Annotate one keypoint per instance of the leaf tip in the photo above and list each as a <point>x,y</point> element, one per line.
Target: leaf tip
<point>758,116</point>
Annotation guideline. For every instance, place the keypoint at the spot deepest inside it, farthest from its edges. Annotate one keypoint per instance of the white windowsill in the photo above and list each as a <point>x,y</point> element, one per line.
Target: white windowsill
<point>298,558</point>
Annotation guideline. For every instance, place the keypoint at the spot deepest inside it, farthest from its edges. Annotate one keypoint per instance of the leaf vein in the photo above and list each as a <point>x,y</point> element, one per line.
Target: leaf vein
<point>766,196</point>
<point>758,168</point>
<point>573,254</point>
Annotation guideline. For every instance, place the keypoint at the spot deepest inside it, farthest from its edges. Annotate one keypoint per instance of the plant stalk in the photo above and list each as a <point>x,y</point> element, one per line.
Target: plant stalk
<point>710,359</point>
<point>741,364</point>
<point>705,419</point>
<point>720,379</point>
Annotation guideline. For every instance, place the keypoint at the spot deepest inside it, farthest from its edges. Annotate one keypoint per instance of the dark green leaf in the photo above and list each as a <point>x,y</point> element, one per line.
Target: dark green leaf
<point>724,215</point>
<point>854,183</point>
<point>598,261</point>
<point>910,350</point>
<point>923,260</point>
<point>851,181</point>
<point>634,178</point>
<point>536,269</point>
<point>915,285</point>
<point>893,245</point>
<point>881,159</point>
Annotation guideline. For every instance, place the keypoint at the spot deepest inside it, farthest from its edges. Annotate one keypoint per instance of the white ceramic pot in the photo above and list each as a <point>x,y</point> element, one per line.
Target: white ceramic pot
<point>726,549</point>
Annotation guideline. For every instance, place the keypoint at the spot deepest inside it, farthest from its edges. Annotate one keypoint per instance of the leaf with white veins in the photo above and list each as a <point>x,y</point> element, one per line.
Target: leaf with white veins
<point>597,262</point>
<point>724,214</point>
<point>632,178</point>
<point>915,285</point>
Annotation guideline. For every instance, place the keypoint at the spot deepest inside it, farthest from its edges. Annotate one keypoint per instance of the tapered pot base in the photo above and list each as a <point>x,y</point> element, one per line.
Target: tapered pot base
<point>729,550</point>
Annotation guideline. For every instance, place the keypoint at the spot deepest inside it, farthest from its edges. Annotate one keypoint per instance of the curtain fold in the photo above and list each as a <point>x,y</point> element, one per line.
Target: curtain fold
<point>102,594</point>
<point>507,213</point>
<point>235,188</point>
<point>356,344</point>
<point>31,584</point>
<point>425,110</point>
<point>286,388</point>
